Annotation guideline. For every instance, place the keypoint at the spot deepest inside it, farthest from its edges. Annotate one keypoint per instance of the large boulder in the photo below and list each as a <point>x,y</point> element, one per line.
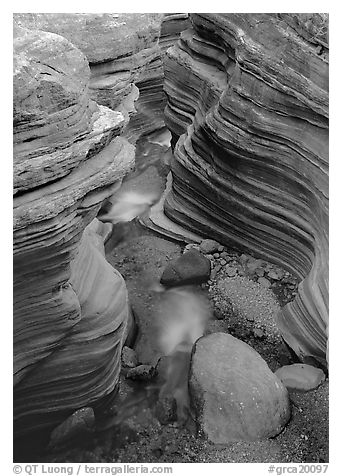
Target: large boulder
<point>190,268</point>
<point>234,394</point>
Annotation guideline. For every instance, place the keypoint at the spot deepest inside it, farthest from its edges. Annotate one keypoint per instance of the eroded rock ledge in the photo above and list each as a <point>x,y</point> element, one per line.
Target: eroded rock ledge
<point>248,97</point>
<point>125,57</point>
<point>70,305</point>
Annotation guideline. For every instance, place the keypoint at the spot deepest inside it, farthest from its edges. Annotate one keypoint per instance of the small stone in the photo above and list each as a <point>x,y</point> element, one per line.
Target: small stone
<point>258,333</point>
<point>259,272</point>
<point>253,264</point>
<point>223,262</point>
<point>143,373</point>
<point>209,246</point>
<point>166,410</point>
<point>129,358</point>
<point>216,255</point>
<point>211,257</point>
<point>244,258</point>
<point>264,282</point>
<point>300,376</point>
<point>214,272</point>
<point>231,271</point>
<point>276,274</point>
<point>220,249</point>
<point>224,255</point>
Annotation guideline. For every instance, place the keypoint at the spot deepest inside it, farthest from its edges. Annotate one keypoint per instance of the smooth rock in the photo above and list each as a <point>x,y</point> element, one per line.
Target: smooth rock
<point>190,268</point>
<point>300,376</point>
<point>276,274</point>
<point>264,282</point>
<point>209,246</point>
<point>234,394</point>
<point>79,424</point>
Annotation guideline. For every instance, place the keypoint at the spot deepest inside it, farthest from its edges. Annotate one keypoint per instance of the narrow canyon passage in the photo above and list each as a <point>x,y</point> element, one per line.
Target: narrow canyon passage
<point>196,329</point>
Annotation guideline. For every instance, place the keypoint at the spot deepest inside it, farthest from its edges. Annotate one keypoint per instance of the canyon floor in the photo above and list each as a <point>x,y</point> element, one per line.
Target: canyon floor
<point>141,256</point>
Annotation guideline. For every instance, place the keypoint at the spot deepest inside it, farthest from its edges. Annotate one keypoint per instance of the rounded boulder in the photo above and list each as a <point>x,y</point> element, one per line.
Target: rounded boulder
<point>234,394</point>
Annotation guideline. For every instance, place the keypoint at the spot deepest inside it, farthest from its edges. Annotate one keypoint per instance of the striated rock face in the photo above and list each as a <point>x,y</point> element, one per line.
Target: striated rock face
<point>126,59</point>
<point>234,394</point>
<point>125,52</point>
<point>248,97</point>
<point>70,305</point>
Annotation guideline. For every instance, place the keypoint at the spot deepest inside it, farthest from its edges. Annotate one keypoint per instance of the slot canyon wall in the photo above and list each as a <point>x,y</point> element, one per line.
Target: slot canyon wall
<point>125,54</point>
<point>83,87</point>
<point>247,97</point>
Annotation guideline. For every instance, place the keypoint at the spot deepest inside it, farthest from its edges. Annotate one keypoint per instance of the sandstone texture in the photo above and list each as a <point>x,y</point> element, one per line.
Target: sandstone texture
<point>70,305</point>
<point>234,394</point>
<point>125,56</point>
<point>247,97</point>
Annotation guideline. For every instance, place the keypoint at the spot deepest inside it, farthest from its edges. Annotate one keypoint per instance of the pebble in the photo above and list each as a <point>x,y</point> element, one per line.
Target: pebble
<point>209,246</point>
<point>277,275</point>
<point>216,255</point>
<point>220,249</point>
<point>224,254</point>
<point>231,271</point>
<point>259,333</point>
<point>215,271</point>
<point>264,282</point>
<point>244,258</point>
<point>129,357</point>
<point>223,262</point>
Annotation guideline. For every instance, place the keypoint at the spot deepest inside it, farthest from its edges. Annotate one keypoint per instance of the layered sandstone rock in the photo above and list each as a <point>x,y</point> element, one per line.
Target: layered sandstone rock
<point>248,97</point>
<point>70,305</point>
<point>125,56</point>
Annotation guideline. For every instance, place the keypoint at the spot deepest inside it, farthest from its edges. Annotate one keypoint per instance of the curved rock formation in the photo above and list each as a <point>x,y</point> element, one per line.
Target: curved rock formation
<point>125,56</point>
<point>248,96</point>
<point>70,305</point>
